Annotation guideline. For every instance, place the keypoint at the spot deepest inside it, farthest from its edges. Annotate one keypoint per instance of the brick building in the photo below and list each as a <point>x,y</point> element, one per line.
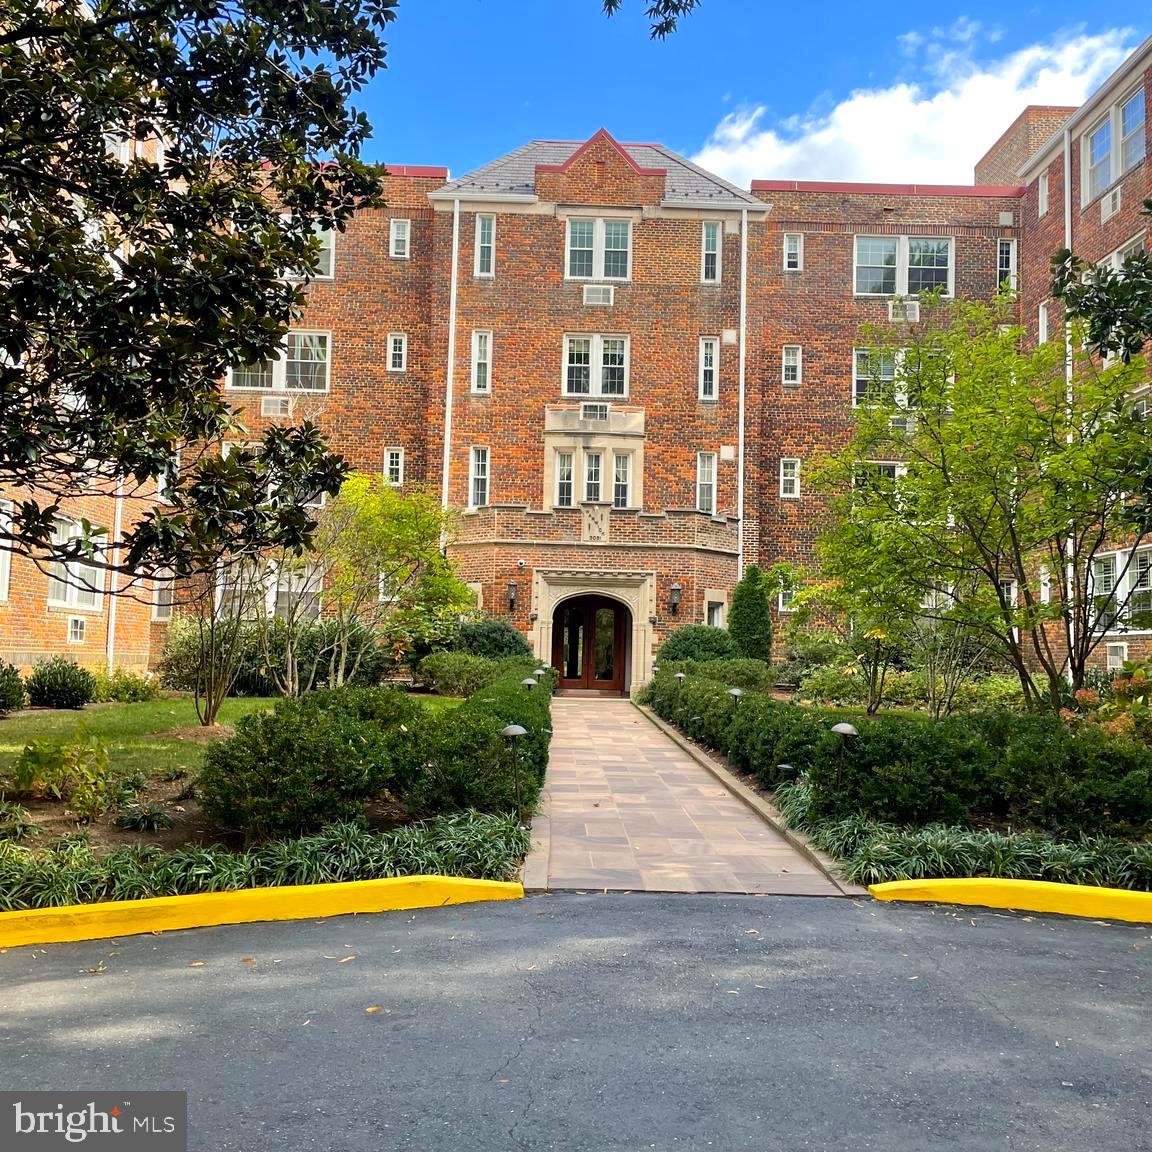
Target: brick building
<point>618,366</point>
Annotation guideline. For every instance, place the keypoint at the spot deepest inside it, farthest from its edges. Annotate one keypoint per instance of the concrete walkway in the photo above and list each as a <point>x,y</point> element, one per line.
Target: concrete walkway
<point>628,810</point>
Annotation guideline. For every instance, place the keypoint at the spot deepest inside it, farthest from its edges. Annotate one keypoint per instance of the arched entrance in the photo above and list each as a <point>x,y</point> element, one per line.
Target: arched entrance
<point>590,637</point>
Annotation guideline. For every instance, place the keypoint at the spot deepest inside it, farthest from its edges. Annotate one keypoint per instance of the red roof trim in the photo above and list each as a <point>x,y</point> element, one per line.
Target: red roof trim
<point>419,171</point>
<point>603,134</point>
<point>888,189</point>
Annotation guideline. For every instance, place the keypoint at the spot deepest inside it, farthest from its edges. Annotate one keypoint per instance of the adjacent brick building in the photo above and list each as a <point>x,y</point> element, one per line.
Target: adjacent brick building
<point>619,367</point>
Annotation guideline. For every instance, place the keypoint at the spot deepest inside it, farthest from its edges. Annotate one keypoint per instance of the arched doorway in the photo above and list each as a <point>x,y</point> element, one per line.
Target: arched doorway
<point>590,644</point>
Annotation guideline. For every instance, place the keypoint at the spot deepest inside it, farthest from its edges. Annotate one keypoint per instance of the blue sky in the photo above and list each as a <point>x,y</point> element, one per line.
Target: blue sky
<point>828,90</point>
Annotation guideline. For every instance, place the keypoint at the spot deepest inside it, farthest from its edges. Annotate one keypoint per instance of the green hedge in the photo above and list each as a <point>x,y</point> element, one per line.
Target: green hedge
<point>462,674</point>
<point>472,844</point>
<point>697,642</point>
<point>736,672</point>
<point>322,757</point>
<point>989,768</point>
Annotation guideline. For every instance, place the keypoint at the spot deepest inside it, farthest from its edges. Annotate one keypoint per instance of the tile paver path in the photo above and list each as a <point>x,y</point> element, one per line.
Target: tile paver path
<point>629,810</point>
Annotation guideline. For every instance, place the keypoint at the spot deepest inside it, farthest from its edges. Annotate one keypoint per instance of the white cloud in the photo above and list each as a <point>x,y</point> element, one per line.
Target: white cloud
<point>931,130</point>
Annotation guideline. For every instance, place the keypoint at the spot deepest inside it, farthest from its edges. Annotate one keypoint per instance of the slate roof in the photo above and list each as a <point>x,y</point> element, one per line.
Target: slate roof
<point>515,175</point>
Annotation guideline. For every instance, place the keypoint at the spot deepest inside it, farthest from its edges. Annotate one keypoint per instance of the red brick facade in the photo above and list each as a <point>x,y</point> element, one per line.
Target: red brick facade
<point>438,293</point>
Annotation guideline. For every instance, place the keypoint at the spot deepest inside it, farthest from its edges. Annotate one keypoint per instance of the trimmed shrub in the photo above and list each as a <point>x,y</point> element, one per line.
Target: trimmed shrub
<point>11,689</point>
<point>834,684</point>
<point>60,683</point>
<point>807,652</point>
<point>696,642</point>
<point>457,673</point>
<point>750,617</point>
<point>472,844</point>
<point>751,675</point>
<point>493,637</point>
<point>125,687</point>
<point>295,769</point>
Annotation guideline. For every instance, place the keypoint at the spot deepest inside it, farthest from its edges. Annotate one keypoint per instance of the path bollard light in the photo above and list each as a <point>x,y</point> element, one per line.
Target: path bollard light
<point>785,772</point>
<point>846,732</point>
<point>539,672</point>
<point>735,693</point>
<point>655,669</point>
<point>512,734</point>
<point>527,683</point>
<point>680,678</point>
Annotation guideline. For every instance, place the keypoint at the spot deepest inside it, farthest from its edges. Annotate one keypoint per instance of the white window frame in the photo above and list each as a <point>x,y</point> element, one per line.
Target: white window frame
<point>77,629</point>
<point>721,613</point>
<point>703,392</point>
<point>397,452</point>
<point>797,362</point>
<point>902,265</point>
<point>1045,584</point>
<point>476,474</point>
<point>627,458</point>
<point>163,581</point>
<point>798,252</point>
<point>327,238</point>
<point>789,478</point>
<point>1042,195</point>
<point>402,337</point>
<point>598,240</point>
<point>570,453</point>
<point>1115,260</point>
<point>477,270</point>
<point>593,479</point>
<point>596,366</point>
<point>73,573</point>
<point>279,369</point>
<point>716,228</point>
<point>5,554</point>
<point>1011,277</point>
<point>1042,323</point>
<point>1116,169</point>
<point>400,238</point>
<point>785,599</point>
<point>857,400</point>
<point>1120,651</point>
<point>481,336</point>
<point>708,459</point>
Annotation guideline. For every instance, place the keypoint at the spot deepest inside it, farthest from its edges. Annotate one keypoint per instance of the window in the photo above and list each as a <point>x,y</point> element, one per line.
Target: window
<point>714,613</point>
<point>1045,584</point>
<point>1104,592</point>
<point>478,478</point>
<point>790,479</point>
<point>709,357</point>
<point>1114,146</point>
<point>162,595</point>
<point>1007,588</point>
<point>167,479</point>
<point>608,355</point>
<point>874,372</point>
<point>710,252</point>
<point>77,584</point>
<point>5,555</point>
<point>1117,654</point>
<point>903,265</point>
<point>621,479</point>
<point>599,249</point>
<point>791,364</point>
<point>394,466</point>
<point>1006,264</point>
<point>1116,259</point>
<point>564,493</point>
<point>592,462</point>
<point>485,246</point>
<point>785,600</point>
<point>399,232</point>
<point>1042,195</point>
<point>1042,323</point>
<point>325,257</point>
<point>879,478</point>
<point>1140,581</point>
<point>303,367</point>
<point>793,251</point>
<point>481,361</point>
<point>706,482</point>
<point>397,352</point>
<point>77,628</point>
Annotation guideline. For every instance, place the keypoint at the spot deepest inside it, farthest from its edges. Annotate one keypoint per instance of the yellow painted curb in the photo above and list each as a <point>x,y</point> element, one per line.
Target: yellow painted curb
<point>249,905</point>
<point>1025,896</point>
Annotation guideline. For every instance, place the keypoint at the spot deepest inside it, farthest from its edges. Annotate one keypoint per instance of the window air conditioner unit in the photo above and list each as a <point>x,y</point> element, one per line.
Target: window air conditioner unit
<point>599,294</point>
<point>904,311</point>
<point>593,411</point>
<point>1109,204</point>
<point>276,406</point>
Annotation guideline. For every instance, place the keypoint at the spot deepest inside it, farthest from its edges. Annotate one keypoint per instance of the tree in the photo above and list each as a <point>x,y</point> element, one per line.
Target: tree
<point>750,616</point>
<point>663,14</point>
<point>982,485</point>
<point>163,165</point>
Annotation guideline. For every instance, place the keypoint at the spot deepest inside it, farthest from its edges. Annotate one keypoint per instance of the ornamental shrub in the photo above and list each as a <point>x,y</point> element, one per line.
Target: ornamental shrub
<point>493,637</point>
<point>11,689</point>
<point>125,687</point>
<point>750,617</point>
<point>751,675</point>
<point>60,683</point>
<point>697,642</point>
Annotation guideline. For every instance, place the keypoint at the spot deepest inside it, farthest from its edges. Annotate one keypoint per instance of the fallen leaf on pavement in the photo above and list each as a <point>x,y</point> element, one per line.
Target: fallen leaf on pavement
<point>345,959</point>
<point>372,1008</point>
<point>196,964</point>
<point>247,959</point>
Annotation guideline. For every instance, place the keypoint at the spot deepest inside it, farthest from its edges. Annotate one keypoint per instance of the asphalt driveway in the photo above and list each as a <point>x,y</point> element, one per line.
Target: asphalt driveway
<point>611,1022</point>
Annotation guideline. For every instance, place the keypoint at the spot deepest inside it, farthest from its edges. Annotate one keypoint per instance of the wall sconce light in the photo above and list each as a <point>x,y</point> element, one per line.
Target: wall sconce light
<point>674,593</point>
<point>512,589</point>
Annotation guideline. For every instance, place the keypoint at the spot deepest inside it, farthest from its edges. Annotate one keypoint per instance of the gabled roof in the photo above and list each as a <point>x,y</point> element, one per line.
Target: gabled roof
<point>513,177</point>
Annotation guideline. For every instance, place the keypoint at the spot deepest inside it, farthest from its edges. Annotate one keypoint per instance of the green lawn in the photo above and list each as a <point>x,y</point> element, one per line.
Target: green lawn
<point>438,703</point>
<point>131,732</point>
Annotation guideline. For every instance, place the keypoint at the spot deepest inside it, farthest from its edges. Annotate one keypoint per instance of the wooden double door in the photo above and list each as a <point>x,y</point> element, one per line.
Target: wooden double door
<point>590,644</point>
